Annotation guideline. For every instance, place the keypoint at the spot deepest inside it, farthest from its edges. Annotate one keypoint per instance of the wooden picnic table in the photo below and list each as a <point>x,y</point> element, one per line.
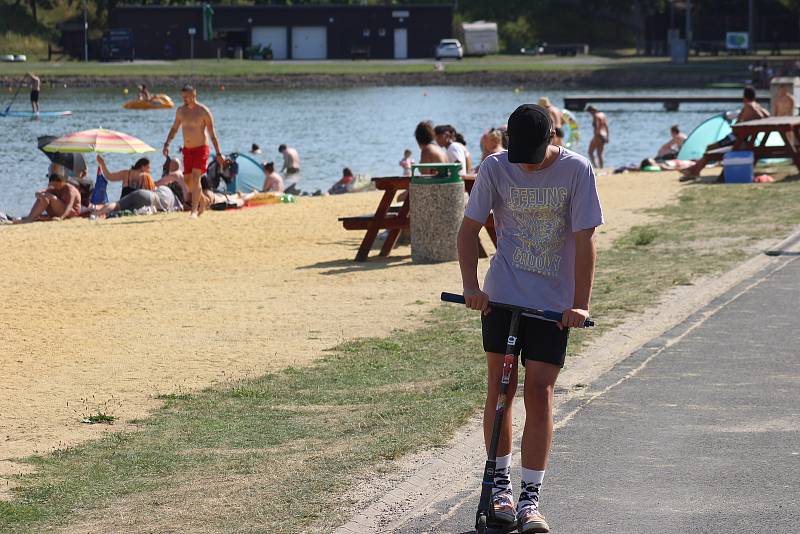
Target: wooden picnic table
<point>748,138</point>
<point>396,220</point>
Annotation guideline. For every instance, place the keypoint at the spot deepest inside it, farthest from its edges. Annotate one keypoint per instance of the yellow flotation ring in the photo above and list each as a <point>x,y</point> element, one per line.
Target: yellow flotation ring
<point>159,101</point>
<point>262,199</point>
<point>572,137</point>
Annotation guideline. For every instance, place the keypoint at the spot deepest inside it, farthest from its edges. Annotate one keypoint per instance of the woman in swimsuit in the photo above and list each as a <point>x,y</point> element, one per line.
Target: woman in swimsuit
<point>600,140</point>
<point>137,177</point>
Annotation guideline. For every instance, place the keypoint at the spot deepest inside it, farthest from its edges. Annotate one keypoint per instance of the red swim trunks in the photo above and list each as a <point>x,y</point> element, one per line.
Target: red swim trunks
<point>195,158</point>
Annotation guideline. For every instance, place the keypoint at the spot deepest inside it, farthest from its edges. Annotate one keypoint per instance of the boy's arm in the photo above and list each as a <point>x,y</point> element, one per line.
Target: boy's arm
<point>585,257</point>
<point>468,261</point>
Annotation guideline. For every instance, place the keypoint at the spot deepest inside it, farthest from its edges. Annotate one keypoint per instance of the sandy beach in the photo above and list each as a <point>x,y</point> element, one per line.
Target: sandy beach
<point>105,316</point>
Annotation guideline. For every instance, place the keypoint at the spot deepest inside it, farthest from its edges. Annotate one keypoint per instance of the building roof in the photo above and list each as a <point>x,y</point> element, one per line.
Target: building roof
<point>480,25</point>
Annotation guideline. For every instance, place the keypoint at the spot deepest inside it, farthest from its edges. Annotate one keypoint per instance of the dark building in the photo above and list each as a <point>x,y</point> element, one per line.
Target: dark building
<point>775,26</point>
<point>296,32</point>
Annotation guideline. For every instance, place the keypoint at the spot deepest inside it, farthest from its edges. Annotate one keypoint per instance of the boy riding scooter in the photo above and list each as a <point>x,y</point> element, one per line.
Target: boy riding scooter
<point>546,208</point>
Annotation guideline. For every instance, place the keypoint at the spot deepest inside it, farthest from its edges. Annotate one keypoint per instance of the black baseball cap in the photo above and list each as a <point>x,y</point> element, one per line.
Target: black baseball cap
<point>528,134</point>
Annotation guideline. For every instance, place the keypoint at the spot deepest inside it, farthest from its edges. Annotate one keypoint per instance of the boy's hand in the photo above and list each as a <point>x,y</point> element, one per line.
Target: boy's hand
<point>475,299</point>
<point>573,318</point>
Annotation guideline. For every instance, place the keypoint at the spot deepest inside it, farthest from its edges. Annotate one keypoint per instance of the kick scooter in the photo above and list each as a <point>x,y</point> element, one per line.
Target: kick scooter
<point>485,518</point>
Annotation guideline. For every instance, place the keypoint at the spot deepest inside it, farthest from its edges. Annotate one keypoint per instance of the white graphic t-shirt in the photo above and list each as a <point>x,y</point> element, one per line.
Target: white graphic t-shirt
<point>535,215</point>
<point>456,152</point>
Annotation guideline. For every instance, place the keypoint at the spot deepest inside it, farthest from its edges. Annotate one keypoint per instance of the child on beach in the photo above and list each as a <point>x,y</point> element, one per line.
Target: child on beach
<point>545,204</point>
<point>407,162</point>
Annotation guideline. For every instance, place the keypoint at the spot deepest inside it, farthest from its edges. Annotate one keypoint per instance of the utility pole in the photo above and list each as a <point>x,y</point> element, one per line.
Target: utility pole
<point>688,26</point>
<point>192,32</point>
<point>671,14</point>
<point>751,26</point>
<point>85,33</point>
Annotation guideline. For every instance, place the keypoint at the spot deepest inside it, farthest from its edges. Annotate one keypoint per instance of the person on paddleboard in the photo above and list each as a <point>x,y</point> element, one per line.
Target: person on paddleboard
<point>196,122</point>
<point>36,87</point>
<point>546,208</point>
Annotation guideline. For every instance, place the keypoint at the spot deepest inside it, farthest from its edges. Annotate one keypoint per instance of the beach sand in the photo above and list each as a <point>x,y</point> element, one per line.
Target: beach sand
<point>105,316</point>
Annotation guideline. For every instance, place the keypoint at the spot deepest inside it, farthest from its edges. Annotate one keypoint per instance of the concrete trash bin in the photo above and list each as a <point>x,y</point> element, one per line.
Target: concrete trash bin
<point>437,208</point>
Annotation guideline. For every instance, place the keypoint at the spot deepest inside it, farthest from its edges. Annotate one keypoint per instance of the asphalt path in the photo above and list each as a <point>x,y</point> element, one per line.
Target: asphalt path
<point>698,431</point>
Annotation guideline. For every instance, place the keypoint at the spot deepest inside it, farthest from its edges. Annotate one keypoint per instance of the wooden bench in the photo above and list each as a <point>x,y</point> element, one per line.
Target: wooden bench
<point>395,219</point>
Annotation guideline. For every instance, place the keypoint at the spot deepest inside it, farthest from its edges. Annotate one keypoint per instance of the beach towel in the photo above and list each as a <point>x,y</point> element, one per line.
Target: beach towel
<point>99,194</point>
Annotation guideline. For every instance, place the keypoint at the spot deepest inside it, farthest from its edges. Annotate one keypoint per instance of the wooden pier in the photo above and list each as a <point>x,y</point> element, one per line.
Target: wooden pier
<point>670,102</point>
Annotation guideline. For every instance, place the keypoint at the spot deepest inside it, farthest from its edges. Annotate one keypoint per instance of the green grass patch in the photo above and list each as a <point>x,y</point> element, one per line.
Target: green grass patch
<point>294,440</point>
<point>231,68</point>
<point>643,236</point>
<point>99,418</point>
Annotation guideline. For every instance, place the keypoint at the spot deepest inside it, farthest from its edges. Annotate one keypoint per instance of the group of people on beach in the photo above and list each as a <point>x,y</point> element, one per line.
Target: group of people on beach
<point>444,144</point>
<point>185,183</point>
<point>783,105</point>
<point>438,144</point>
<point>179,186</point>
<point>274,182</point>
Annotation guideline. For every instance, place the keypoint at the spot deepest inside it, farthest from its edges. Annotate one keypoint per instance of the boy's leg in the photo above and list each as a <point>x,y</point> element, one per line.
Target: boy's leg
<point>540,379</point>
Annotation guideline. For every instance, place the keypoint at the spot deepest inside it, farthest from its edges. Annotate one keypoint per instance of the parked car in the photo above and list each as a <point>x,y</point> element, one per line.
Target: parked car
<point>449,48</point>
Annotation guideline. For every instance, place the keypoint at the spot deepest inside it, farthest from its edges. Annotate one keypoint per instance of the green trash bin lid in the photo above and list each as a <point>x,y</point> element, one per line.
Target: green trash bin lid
<point>446,173</point>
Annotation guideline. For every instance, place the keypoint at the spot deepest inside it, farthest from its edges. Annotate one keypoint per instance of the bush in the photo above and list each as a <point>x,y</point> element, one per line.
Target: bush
<point>516,34</point>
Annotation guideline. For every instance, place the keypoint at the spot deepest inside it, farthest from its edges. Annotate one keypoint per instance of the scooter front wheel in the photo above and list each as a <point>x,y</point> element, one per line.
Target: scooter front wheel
<point>480,524</point>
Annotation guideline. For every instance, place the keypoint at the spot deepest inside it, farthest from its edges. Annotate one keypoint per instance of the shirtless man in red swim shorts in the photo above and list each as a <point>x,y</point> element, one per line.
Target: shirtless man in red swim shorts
<point>194,119</point>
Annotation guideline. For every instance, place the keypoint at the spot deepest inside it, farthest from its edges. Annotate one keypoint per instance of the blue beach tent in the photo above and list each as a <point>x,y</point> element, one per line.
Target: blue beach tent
<point>709,131</point>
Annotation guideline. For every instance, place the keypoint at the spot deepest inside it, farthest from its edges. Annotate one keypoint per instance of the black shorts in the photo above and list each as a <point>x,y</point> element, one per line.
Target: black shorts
<point>34,95</point>
<point>537,340</point>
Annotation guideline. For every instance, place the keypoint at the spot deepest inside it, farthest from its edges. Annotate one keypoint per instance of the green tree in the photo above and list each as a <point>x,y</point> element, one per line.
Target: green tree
<point>516,34</point>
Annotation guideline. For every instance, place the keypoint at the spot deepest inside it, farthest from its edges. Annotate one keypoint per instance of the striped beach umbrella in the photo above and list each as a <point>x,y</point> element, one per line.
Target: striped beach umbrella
<point>99,140</point>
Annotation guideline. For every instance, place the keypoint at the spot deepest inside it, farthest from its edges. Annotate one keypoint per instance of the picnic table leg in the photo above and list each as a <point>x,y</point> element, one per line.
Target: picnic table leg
<point>391,239</point>
<point>790,146</point>
<point>795,146</point>
<point>374,227</point>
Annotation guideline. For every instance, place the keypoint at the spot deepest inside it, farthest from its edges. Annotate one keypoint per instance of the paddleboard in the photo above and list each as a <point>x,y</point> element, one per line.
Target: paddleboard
<point>31,114</point>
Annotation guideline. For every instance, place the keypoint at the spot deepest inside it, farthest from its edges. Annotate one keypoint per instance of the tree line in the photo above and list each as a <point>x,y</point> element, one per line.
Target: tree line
<point>522,23</point>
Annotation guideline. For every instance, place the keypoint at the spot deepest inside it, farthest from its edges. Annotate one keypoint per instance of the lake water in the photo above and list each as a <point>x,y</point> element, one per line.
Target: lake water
<point>366,129</point>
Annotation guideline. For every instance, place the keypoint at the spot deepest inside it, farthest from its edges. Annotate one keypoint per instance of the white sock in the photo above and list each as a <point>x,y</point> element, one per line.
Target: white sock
<point>531,488</point>
<point>502,474</point>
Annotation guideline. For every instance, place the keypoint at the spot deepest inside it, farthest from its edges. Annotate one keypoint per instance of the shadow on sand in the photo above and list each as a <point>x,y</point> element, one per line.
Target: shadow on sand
<point>350,266</point>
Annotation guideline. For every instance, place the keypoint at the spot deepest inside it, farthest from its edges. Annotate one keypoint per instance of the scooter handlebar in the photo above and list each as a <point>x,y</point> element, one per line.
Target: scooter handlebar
<point>550,315</point>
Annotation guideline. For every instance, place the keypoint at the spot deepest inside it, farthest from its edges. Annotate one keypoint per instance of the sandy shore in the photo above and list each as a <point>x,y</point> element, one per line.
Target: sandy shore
<point>104,316</point>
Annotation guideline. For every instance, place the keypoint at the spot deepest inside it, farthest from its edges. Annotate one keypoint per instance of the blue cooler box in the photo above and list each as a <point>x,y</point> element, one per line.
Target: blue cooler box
<point>738,167</point>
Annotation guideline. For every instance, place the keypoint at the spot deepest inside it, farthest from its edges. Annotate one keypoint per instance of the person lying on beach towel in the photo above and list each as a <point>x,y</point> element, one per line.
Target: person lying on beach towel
<point>226,201</point>
<point>164,198</point>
